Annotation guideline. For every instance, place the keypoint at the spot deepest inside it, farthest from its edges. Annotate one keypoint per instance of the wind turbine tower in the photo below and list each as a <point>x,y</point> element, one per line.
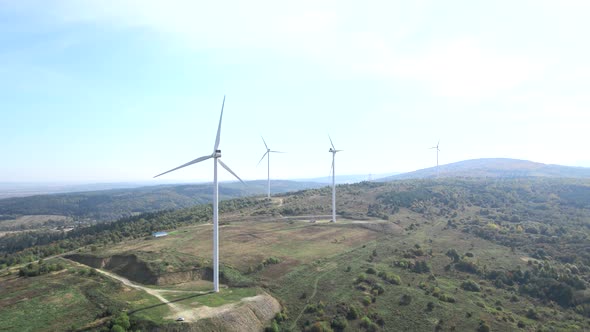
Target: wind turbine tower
<point>267,155</point>
<point>437,151</point>
<point>216,155</point>
<point>333,151</point>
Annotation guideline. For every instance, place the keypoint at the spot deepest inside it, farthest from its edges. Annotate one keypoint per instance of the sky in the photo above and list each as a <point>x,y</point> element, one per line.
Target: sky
<point>122,90</point>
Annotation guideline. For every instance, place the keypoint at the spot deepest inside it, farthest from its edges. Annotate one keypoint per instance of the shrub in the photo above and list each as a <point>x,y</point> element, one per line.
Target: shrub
<point>466,266</point>
<point>339,323</point>
<point>446,298</point>
<point>117,328</point>
<point>471,286</point>
<point>361,277</point>
<point>319,327</point>
<point>429,306</point>
<point>405,299</point>
<point>483,327</point>
<point>353,313</point>
<point>274,327</point>
<point>378,289</point>
<point>421,267</point>
<point>371,271</point>
<point>532,314</point>
<point>452,253</point>
<point>390,278</point>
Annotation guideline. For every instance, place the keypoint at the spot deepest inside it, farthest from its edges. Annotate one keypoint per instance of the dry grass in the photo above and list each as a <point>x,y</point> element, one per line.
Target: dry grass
<point>246,244</point>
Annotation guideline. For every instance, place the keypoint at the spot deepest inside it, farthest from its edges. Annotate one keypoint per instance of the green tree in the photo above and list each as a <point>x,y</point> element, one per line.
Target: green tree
<point>117,328</point>
<point>122,320</point>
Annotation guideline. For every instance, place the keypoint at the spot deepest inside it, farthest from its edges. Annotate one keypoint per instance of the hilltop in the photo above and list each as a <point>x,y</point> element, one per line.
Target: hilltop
<point>495,168</point>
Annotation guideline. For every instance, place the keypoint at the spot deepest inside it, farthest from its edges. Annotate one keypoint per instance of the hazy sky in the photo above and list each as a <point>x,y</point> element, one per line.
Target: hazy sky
<point>123,90</point>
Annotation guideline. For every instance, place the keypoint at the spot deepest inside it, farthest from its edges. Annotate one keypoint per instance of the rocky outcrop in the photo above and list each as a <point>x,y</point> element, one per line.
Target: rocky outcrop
<point>250,315</point>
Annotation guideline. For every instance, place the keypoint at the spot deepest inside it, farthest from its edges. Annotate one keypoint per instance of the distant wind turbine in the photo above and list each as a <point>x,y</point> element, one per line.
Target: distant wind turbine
<point>267,155</point>
<point>437,151</point>
<point>216,155</point>
<point>333,170</point>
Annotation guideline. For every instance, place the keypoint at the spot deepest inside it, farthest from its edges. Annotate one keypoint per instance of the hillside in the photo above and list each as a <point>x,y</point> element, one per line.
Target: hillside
<point>495,168</point>
<point>108,205</point>
<point>446,255</point>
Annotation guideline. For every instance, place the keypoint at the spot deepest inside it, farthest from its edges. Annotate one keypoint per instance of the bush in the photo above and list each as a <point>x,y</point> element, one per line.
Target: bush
<point>429,306</point>
<point>368,324</point>
<point>274,327</point>
<point>271,260</point>
<point>361,277</point>
<point>320,327</point>
<point>452,253</point>
<point>353,313</point>
<point>446,298</point>
<point>371,271</point>
<point>339,323</point>
<point>421,267</point>
<point>405,299</point>
<point>117,328</point>
<point>390,278</point>
<point>466,266</point>
<point>471,286</point>
<point>483,327</point>
<point>532,314</point>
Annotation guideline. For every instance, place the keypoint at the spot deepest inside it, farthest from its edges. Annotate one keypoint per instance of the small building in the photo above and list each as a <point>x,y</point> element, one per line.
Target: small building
<point>159,234</point>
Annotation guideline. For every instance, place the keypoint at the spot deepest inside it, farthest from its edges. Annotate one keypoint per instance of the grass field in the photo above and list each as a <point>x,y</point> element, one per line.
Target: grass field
<point>247,244</point>
<point>61,300</point>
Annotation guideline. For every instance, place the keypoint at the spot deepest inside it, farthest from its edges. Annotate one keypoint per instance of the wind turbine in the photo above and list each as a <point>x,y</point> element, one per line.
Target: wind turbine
<point>333,151</point>
<point>437,151</point>
<point>216,155</point>
<point>267,155</point>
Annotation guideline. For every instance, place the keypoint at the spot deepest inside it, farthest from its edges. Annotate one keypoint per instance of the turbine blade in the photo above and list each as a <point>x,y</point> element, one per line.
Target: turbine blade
<point>229,170</point>
<point>187,164</point>
<point>338,150</point>
<point>331,142</point>
<point>277,151</point>
<point>219,127</point>
<point>264,155</point>
<point>266,146</point>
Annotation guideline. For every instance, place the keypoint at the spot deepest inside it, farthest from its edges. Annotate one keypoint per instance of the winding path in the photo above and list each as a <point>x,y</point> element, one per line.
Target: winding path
<point>326,269</point>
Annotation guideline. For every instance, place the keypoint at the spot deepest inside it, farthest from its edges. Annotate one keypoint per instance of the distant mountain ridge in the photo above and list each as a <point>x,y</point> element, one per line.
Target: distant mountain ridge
<point>112,204</point>
<point>495,168</point>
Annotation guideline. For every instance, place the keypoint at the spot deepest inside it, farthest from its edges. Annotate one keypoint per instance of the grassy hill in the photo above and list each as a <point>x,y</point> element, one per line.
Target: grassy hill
<point>417,255</point>
<point>495,168</point>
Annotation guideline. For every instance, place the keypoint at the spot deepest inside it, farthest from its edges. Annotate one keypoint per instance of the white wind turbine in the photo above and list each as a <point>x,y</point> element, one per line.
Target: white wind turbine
<point>267,155</point>
<point>437,151</point>
<point>333,171</point>
<point>216,155</point>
